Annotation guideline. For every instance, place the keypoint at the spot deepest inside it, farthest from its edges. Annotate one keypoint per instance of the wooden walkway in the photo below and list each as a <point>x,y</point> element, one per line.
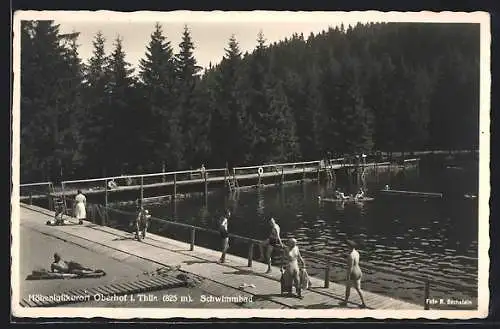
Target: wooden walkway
<point>203,263</point>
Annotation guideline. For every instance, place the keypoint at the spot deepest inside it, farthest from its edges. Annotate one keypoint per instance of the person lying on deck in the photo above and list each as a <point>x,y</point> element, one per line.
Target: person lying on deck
<point>61,266</point>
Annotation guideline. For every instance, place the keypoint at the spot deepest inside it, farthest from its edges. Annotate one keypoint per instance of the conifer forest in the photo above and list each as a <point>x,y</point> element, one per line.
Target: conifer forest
<point>363,88</point>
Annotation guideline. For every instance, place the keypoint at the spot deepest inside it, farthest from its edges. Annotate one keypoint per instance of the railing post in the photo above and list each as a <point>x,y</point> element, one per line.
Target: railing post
<point>163,171</point>
<point>304,173</point>
<point>193,233</point>
<point>206,184</point>
<point>426,294</point>
<point>282,175</point>
<point>31,198</point>
<point>175,186</point>
<point>250,254</point>
<point>142,189</point>
<point>106,193</point>
<point>327,275</point>
<point>235,179</point>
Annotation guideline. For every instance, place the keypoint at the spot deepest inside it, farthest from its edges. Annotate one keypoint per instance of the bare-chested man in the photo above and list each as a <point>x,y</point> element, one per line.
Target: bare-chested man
<point>274,240</point>
<point>61,266</point>
<point>354,274</point>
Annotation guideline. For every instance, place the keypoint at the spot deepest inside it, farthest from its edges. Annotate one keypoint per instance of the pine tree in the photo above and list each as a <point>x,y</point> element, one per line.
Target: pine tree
<point>122,112</point>
<point>186,119</point>
<point>97,119</point>
<point>49,89</point>
<point>158,75</point>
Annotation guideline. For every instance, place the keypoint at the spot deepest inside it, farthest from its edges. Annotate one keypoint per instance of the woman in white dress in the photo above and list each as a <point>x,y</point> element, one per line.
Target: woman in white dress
<point>80,211</point>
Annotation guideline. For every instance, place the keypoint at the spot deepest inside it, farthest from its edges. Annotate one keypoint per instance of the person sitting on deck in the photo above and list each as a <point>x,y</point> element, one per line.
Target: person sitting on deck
<point>112,184</point>
<point>61,266</point>
<point>360,194</point>
<point>386,187</point>
<point>274,240</point>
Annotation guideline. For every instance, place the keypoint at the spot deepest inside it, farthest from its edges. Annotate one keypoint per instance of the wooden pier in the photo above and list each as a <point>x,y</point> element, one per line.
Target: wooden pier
<point>238,177</point>
<point>202,262</point>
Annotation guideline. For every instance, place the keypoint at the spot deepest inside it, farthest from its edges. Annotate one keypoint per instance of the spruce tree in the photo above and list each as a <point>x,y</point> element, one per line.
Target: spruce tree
<point>158,83</point>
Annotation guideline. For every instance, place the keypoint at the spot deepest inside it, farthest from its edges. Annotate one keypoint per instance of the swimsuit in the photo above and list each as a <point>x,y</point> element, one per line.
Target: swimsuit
<point>273,241</point>
<point>223,233</point>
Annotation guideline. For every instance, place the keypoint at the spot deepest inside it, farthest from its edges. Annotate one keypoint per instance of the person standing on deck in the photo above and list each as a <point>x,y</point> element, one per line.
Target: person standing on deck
<point>224,234</point>
<point>142,223</point>
<point>293,258</point>
<point>354,274</point>
<point>273,241</point>
<point>80,210</point>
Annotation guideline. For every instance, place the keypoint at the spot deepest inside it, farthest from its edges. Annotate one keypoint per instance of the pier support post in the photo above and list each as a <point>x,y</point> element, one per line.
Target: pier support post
<point>142,189</point>
<point>303,173</point>
<point>327,275</point>
<point>175,186</point>
<point>282,176</point>
<point>426,294</point>
<point>250,254</point>
<point>193,234</point>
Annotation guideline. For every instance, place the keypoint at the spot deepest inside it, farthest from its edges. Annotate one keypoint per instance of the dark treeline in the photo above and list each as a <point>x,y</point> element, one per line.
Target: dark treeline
<point>388,87</point>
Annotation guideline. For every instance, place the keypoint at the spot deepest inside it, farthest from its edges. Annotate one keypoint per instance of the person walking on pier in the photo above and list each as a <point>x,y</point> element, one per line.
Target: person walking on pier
<point>270,243</point>
<point>354,274</point>
<point>224,234</point>
<point>80,210</point>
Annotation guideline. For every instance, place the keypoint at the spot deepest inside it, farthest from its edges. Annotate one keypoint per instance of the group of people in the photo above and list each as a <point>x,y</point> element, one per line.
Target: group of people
<point>342,196</point>
<point>294,261</point>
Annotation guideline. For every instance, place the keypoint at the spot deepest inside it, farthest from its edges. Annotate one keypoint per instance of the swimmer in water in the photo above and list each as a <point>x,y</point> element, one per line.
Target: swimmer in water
<point>274,240</point>
<point>354,274</point>
<point>360,194</point>
<point>340,195</point>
